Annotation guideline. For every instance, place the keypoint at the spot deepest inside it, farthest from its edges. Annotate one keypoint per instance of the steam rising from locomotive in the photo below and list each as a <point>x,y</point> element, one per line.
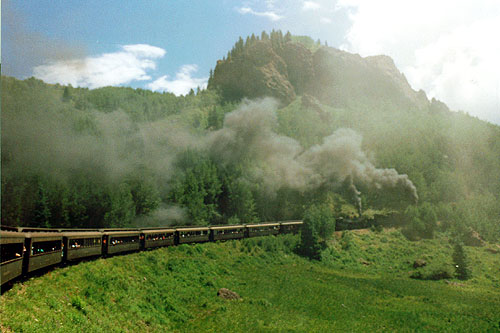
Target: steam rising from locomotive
<point>117,146</point>
<point>248,137</point>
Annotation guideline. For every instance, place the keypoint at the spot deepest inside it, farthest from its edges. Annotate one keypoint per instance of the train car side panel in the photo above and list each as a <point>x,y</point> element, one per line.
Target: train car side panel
<point>265,229</point>
<point>12,253</point>
<point>119,242</point>
<point>82,245</point>
<point>193,235</point>
<point>227,232</point>
<point>46,250</point>
<point>158,238</point>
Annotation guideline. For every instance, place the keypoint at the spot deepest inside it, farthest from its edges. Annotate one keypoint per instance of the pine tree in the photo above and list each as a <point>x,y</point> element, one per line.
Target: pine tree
<point>462,271</point>
<point>66,94</point>
<point>41,212</point>
<point>253,39</point>
<point>309,242</point>
<point>210,79</point>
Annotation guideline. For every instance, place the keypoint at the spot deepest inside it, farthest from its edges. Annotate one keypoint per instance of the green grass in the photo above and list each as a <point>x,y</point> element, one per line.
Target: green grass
<point>362,285</point>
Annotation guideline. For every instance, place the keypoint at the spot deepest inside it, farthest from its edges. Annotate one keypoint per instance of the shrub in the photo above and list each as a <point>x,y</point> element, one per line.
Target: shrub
<point>421,222</point>
<point>462,271</point>
<point>433,272</point>
<point>347,240</point>
<point>319,225</point>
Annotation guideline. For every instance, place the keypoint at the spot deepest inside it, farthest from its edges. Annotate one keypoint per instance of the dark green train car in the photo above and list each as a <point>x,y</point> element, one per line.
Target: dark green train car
<point>262,229</point>
<point>158,237</point>
<point>12,251</point>
<point>193,234</point>
<point>290,227</point>
<point>45,249</point>
<point>121,241</point>
<point>80,245</point>
<point>227,232</point>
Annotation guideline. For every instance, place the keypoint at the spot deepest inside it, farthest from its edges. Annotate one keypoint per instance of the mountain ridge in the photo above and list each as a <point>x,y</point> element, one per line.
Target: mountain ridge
<point>280,67</point>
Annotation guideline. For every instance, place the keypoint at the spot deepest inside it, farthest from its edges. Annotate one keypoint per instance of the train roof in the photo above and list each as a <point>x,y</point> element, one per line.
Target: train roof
<point>44,235</point>
<point>225,227</point>
<point>193,229</point>
<point>82,234</point>
<point>10,237</point>
<point>123,233</point>
<point>154,231</point>
<point>269,224</point>
<point>291,222</point>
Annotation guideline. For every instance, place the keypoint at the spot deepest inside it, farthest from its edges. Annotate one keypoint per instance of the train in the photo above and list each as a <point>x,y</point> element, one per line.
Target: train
<point>26,250</point>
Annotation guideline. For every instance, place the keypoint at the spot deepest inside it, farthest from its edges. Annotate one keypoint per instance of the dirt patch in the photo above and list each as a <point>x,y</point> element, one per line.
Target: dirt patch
<point>227,294</point>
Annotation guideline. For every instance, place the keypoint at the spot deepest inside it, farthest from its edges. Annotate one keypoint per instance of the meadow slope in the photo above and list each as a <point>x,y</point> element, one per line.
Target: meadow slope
<point>362,284</point>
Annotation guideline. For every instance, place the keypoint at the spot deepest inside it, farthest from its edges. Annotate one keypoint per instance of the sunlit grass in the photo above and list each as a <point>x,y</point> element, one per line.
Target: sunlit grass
<point>363,288</point>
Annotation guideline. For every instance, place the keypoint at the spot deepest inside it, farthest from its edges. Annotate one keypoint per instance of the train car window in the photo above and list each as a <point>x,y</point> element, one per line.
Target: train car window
<point>158,237</point>
<point>91,242</point>
<point>84,242</point>
<point>75,243</point>
<point>45,247</point>
<point>124,240</point>
<point>11,251</point>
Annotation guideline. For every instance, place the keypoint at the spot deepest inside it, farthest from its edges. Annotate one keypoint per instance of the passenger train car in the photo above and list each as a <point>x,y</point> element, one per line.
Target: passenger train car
<point>25,250</point>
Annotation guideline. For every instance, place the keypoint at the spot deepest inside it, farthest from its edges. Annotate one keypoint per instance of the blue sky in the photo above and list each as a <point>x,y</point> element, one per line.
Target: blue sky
<point>191,32</point>
<point>448,48</point>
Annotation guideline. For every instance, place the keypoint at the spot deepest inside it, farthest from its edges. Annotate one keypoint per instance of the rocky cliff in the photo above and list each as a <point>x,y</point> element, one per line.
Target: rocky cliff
<point>283,68</point>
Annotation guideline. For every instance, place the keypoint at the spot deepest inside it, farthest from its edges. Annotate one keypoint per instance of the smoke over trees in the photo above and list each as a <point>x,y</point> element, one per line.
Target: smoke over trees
<point>79,166</point>
<point>75,157</point>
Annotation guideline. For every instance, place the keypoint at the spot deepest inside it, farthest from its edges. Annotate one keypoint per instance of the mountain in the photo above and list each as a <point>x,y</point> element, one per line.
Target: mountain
<point>285,67</point>
<point>346,131</point>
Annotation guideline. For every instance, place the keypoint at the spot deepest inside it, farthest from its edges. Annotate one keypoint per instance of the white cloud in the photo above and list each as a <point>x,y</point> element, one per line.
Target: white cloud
<point>182,83</point>
<point>310,5</point>
<point>108,69</point>
<point>448,48</point>
<point>267,14</point>
<point>325,20</point>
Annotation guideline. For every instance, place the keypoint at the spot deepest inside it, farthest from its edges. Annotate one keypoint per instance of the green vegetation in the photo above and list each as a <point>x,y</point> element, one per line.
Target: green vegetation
<point>460,259</point>
<point>319,225</point>
<point>362,284</point>
<point>344,133</point>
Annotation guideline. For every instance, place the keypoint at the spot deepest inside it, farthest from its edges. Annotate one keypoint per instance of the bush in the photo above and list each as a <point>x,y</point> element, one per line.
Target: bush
<point>462,271</point>
<point>319,225</point>
<point>421,222</point>
<point>433,272</point>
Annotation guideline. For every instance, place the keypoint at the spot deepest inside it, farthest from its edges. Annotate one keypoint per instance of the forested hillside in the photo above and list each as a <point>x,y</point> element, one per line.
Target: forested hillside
<point>341,131</point>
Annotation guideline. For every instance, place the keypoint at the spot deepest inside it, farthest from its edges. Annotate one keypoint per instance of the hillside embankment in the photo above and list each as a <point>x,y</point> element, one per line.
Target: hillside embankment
<point>362,284</point>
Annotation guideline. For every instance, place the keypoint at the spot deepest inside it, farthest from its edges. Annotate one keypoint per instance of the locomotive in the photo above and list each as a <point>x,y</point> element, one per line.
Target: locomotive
<point>25,250</point>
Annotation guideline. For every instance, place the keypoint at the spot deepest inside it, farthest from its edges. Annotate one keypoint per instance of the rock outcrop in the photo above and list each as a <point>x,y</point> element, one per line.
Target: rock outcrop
<point>283,68</point>
<point>257,72</point>
<point>227,294</point>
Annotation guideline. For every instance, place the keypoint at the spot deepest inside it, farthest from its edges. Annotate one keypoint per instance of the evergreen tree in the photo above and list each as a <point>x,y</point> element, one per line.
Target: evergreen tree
<point>66,94</point>
<point>462,271</point>
<point>309,245</point>
<point>319,225</point>
<point>41,212</point>
<point>253,39</point>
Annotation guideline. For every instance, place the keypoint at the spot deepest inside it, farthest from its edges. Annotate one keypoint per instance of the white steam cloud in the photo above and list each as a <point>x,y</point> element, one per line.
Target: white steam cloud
<point>279,161</point>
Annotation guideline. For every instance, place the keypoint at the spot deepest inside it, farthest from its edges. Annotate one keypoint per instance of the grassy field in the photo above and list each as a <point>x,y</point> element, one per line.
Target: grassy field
<point>363,284</point>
